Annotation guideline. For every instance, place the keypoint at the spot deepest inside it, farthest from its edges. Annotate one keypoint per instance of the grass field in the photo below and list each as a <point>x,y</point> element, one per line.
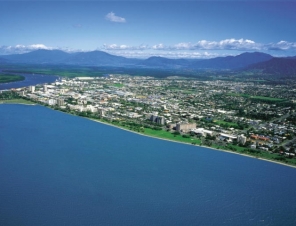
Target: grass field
<point>16,101</point>
<point>167,135</point>
<point>118,85</point>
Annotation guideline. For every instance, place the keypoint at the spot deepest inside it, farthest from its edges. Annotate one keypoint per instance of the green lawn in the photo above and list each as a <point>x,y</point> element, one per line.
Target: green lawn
<point>167,135</point>
<point>16,101</point>
<point>267,98</point>
<point>118,85</point>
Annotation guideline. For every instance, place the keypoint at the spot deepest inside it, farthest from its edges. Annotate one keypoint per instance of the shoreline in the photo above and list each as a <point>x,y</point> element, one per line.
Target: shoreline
<point>215,149</point>
<point>19,103</point>
<point>142,134</point>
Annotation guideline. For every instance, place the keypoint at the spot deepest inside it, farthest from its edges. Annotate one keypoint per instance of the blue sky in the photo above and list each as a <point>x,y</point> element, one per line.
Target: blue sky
<point>173,29</point>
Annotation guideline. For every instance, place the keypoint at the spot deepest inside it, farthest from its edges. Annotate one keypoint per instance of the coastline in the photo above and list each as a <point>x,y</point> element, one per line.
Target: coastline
<point>19,104</point>
<point>142,134</point>
<point>215,149</point>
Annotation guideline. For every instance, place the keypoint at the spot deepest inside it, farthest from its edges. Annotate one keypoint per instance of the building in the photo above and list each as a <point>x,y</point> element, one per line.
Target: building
<point>45,88</point>
<point>227,137</point>
<point>202,132</point>
<point>157,119</point>
<point>60,102</point>
<point>32,89</point>
<point>185,127</point>
<point>51,102</point>
<point>241,139</point>
<point>160,120</point>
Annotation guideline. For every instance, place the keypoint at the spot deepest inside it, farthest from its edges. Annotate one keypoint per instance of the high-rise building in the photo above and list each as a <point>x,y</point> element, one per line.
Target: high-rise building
<point>45,88</point>
<point>60,102</point>
<point>185,127</point>
<point>32,89</point>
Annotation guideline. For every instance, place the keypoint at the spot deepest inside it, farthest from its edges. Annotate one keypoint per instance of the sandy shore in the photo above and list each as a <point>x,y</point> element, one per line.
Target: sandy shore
<point>250,156</point>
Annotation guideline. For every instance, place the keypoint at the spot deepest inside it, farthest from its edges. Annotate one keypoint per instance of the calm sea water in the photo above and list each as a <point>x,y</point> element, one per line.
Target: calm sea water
<point>31,80</point>
<point>58,169</point>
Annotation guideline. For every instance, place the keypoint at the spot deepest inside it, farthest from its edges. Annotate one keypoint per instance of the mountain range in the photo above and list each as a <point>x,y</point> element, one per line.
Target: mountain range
<point>246,61</point>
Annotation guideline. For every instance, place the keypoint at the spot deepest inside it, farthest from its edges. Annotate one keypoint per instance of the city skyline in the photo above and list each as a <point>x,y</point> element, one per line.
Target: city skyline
<point>139,29</point>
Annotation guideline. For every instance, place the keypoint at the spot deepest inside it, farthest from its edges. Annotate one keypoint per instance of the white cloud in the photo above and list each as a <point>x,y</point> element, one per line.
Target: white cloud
<point>18,49</point>
<point>282,45</point>
<point>124,47</point>
<point>159,46</point>
<point>113,18</point>
<point>164,53</point>
<point>227,44</point>
<point>39,46</point>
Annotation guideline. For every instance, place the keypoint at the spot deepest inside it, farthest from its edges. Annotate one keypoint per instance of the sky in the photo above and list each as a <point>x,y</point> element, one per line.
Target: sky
<point>140,29</point>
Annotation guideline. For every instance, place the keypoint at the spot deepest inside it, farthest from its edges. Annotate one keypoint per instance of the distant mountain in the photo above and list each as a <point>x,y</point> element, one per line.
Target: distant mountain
<point>232,62</point>
<point>165,62</point>
<point>96,58</point>
<point>283,67</point>
<point>291,57</point>
<point>219,63</point>
<point>93,58</point>
<point>41,56</point>
<point>100,58</point>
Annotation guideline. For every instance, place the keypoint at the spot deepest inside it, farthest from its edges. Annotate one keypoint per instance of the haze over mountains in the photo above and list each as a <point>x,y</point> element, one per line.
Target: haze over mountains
<point>248,61</point>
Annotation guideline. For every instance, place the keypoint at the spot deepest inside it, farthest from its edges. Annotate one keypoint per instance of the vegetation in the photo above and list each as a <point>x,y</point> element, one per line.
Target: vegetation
<point>16,101</point>
<point>5,78</point>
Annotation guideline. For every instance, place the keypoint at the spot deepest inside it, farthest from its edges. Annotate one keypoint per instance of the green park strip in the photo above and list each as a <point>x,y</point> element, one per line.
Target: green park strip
<point>17,101</point>
<point>170,136</point>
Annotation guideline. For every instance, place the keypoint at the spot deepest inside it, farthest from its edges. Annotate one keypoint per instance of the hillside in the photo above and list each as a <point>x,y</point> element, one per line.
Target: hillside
<point>281,67</point>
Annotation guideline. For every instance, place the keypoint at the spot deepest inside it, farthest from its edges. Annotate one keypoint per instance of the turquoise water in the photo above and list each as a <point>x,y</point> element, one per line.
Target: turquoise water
<point>58,169</point>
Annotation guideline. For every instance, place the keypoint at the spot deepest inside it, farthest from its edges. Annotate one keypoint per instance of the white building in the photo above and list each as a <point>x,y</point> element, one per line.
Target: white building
<point>51,102</point>
<point>241,139</point>
<point>32,89</point>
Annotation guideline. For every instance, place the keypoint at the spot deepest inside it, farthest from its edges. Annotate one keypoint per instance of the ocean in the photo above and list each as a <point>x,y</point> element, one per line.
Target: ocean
<point>59,169</point>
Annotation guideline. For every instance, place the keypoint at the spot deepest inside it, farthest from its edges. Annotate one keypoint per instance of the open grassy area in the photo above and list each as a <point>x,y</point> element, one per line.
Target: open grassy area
<point>167,135</point>
<point>118,85</point>
<point>221,122</point>
<point>16,101</point>
<point>5,78</point>
<point>267,98</point>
